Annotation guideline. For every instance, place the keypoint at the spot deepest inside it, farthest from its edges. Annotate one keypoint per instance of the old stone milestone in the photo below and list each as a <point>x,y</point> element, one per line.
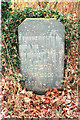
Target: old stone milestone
<point>41,49</point>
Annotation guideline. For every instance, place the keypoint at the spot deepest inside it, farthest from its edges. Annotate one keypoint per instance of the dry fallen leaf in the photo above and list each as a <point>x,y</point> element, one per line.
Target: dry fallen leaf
<point>27,100</point>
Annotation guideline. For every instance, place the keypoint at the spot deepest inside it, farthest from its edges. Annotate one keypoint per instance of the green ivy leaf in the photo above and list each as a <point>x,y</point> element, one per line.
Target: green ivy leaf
<point>56,111</point>
<point>19,75</point>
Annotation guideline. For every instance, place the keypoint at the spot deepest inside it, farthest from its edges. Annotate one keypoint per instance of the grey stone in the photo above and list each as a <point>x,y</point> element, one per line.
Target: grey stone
<point>41,49</point>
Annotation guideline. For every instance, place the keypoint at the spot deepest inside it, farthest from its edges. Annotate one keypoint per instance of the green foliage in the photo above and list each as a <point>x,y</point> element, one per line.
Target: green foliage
<point>11,20</point>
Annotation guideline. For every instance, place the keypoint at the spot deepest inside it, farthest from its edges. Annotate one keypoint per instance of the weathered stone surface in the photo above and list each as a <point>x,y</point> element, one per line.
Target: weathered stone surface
<point>41,49</point>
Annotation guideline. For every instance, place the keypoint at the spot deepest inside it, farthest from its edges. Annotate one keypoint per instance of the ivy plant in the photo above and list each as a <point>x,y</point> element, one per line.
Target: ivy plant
<point>12,19</point>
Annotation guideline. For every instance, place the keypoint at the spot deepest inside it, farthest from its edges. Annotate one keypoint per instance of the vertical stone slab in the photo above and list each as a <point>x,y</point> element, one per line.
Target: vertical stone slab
<point>41,49</point>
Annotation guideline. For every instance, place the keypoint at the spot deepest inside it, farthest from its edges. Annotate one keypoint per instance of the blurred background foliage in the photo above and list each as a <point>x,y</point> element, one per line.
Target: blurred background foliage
<point>64,7</point>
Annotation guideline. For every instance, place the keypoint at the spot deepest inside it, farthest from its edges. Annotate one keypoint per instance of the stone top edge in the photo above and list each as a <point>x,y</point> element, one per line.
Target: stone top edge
<point>39,19</point>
